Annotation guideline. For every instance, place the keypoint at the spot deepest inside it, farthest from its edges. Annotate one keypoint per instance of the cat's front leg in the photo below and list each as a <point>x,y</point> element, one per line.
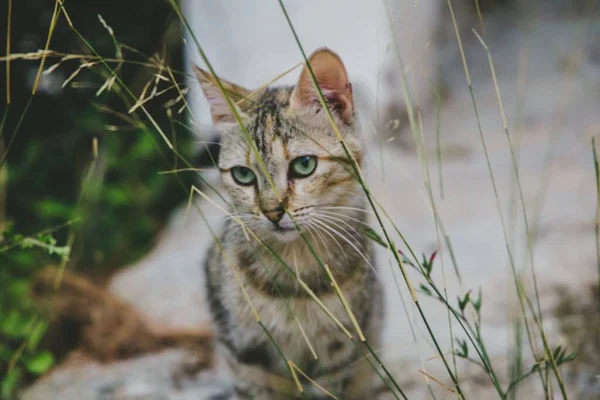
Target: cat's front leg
<point>249,391</point>
<point>244,391</point>
<point>252,368</point>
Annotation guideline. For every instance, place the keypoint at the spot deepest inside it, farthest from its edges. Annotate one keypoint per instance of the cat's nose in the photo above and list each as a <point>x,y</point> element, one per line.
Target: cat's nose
<point>275,215</point>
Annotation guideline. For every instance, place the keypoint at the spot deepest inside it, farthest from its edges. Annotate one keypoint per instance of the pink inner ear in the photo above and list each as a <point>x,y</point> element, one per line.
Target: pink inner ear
<point>331,97</point>
<point>219,107</point>
<point>338,103</point>
<point>333,81</point>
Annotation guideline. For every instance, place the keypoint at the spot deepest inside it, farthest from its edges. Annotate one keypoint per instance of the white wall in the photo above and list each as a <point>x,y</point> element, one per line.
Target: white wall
<point>250,42</point>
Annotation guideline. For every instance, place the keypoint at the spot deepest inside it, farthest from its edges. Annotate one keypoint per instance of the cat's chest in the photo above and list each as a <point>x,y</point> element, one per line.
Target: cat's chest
<point>297,324</point>
<point>298,316</point>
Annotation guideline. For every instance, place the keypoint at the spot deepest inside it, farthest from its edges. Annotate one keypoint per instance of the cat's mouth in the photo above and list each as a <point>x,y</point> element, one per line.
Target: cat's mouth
<point>287,235</point>
<point>284,229</point>
<point>286,232</point>
<point>285,224</point>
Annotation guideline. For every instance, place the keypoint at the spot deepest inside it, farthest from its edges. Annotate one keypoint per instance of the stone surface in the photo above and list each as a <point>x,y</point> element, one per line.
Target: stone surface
<point>145,378</point>
<point>173,271</point>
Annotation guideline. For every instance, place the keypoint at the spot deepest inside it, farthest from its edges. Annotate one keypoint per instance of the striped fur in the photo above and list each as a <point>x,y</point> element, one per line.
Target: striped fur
<point>327,207</point>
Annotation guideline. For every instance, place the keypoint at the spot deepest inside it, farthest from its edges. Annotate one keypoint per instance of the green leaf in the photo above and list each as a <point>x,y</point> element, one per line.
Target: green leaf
<point>428,263</point>
<point>40,363</point>
<point>117,196</point>
<point>5,352</point>
<point>23,258</point>
<point>463,350</point>
<point>558,352</point>
<point>47,239</point>
<point>371,234</point>
<point>465,300</point>
<point>8,232</point>
<point>36,335</point>
<point>18,288</point>
<point>144,147</point>
<point>16,324</point>
<point>425,289</point>
<point>54,209</point>
<point>477,302</point>
<point>9,383</point>
<point>570,357</point>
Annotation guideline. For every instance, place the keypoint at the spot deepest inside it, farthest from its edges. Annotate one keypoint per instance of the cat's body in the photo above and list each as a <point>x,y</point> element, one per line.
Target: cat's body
<point>307,216</point>
<point>282,306</point>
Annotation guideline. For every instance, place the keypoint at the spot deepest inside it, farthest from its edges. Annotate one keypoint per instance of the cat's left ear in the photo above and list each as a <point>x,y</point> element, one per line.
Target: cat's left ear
<point>333,80</point>
<point>219,107</point>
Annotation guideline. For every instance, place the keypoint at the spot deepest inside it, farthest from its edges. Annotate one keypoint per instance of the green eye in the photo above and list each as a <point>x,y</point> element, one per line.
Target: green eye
<point>302,167</point>
<point>243,176</point>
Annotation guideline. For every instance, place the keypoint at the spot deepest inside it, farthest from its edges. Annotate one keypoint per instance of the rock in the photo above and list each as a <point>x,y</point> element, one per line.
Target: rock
<point>149,378</point>
<point>174,270</point>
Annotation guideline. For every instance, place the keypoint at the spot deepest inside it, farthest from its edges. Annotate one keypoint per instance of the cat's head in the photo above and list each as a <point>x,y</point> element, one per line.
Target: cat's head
<point>309,178</point>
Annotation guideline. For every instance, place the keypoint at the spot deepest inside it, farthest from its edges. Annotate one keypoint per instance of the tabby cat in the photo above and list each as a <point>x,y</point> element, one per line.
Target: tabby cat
<point>308,205</point>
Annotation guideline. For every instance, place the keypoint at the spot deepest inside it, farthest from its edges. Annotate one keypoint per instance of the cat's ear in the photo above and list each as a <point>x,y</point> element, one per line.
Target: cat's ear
<point>333,81</point>
<point>219,108</point>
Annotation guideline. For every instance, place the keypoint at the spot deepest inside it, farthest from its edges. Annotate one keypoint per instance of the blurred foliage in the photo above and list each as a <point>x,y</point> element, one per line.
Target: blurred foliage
<point>103,208</point>
<point>22,325</point>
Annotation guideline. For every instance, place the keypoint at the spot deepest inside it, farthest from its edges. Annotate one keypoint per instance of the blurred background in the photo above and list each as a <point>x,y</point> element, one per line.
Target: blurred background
<point>98,266</point>
<point>96,207</point>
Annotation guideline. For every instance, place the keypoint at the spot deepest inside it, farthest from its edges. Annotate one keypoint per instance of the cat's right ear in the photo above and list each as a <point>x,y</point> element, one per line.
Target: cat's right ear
<point>331,75</point>
<point>219,107</point>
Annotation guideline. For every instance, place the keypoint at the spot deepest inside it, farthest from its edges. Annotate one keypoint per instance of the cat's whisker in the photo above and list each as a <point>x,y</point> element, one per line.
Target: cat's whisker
<point>323,240</point>
<point>346,208</point>
<point>314,239</point>
<point>244,214</point>
<point>348,235</point>
<point>311,225</point>
<point>333,230</point>
<point>318,225</point>
<point>238,219</point>
<point>331,219</point>
<point>323,227</point>
<point>242,222</point>
<point>243,217</point>
<point>212,220</point>
<point>233,227</point>
<point>344,216</point>
<point>319,277</point>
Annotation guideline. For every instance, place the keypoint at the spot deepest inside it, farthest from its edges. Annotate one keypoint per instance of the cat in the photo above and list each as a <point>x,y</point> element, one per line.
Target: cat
<point>308,204</point>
